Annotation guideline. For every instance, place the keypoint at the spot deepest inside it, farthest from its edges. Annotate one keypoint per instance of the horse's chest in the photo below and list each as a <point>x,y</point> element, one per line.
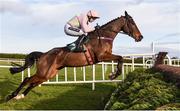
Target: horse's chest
<point>107,48</point>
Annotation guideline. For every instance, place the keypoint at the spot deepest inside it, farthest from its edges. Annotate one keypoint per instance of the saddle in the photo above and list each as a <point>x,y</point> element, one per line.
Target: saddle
<point>81,42</point>
<point>78,45</point>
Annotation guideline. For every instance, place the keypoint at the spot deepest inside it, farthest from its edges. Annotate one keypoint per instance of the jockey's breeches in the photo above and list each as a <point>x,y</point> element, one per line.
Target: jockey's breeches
<point>72,31</point>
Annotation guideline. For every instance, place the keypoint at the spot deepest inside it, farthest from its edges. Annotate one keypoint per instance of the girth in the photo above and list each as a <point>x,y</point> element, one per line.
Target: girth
<point>88,55</point>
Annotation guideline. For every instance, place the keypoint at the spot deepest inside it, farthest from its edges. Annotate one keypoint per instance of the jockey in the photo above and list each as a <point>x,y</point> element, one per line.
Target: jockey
<point>79,26</point>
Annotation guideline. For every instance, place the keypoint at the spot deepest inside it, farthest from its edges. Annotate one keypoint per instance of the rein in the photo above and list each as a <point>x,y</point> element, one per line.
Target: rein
<point>106,38</point>
<point>103,37</point>
<point>110,38</point>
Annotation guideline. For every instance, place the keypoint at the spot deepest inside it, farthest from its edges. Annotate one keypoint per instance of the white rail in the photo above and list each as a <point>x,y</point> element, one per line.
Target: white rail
<point>147,62</point>
<point>7,66</point>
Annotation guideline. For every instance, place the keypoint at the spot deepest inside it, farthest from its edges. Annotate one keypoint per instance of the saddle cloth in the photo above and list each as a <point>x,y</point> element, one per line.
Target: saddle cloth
<point>72,46</point>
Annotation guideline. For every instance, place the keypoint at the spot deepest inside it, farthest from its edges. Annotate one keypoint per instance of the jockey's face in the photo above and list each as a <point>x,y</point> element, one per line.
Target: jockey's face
<point>91,19</point>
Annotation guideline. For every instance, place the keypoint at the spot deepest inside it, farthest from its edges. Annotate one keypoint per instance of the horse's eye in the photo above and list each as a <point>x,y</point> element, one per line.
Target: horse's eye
<point>132,22</point>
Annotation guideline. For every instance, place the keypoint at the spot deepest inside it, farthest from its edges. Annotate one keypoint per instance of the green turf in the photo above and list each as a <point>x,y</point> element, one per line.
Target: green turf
<point>68,96</point>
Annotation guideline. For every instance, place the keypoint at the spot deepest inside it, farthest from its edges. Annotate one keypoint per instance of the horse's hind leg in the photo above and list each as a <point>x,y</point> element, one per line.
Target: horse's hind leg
<point>27,80</point>
<point>40,80</point>
<point>36,80</point>
<point>31,86</point>
<point>15,93</point>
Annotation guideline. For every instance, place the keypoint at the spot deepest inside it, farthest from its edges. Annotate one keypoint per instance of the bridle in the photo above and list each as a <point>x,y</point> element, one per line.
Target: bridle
<point>129,27</point>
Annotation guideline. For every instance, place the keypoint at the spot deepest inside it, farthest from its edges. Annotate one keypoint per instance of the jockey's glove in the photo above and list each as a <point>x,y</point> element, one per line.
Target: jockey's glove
<point>97,27</point>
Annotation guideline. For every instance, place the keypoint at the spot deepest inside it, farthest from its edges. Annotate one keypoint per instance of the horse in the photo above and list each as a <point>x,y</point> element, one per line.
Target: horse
<point>99,46</point>
<point>170,73</point>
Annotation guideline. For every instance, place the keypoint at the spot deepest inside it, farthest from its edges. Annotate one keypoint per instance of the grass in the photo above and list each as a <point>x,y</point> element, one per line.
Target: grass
<point>69,96</point>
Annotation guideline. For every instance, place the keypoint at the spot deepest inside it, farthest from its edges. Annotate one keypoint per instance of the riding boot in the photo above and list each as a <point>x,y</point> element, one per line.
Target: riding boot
<point>79,44</point>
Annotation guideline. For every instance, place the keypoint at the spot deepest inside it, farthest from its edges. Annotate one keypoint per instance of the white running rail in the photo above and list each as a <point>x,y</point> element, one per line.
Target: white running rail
<point>101,69</point>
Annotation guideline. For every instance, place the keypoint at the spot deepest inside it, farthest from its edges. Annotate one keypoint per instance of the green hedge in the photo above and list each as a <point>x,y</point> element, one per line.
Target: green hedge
<point>143,90</point>
<point>15,56</point>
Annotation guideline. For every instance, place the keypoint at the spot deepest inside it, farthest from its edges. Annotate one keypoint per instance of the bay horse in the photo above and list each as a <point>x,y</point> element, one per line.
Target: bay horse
<point>99,46</point>
<point>170,73</point>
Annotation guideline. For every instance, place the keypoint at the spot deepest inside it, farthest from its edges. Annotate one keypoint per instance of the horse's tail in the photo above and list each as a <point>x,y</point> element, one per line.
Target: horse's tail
<point>29,61</point>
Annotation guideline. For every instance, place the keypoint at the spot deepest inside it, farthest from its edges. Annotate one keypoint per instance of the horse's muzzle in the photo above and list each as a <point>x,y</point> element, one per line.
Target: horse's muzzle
<point>139,38</point>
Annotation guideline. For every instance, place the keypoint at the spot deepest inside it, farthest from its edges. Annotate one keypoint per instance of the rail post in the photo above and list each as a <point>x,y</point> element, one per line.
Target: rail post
<point>93,84</point>
<point>29,72</point>
<point>103,70</point>
<point>169,60</point>
<point>132,69</point>
<point>123,72</point>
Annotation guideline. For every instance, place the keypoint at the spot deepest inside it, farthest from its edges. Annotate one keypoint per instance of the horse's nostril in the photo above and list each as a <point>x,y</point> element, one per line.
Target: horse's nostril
<point>141,36</point>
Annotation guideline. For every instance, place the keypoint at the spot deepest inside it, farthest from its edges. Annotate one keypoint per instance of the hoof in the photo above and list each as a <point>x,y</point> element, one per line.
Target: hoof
<point>11,71</point>
<point>9,97</point>
<point>112,76</point>
<point>21,96</point>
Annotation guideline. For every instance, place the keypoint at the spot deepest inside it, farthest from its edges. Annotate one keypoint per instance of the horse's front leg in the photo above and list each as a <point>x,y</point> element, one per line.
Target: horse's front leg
<point>118,58</point>
<point>118,71</point>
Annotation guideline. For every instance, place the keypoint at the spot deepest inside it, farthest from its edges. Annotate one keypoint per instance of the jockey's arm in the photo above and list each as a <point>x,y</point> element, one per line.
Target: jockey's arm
<point>85,27</point>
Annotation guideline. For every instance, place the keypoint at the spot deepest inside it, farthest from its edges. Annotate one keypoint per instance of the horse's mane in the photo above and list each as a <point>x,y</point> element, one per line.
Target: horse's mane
<point>103,26</point>
<point>109,22</point>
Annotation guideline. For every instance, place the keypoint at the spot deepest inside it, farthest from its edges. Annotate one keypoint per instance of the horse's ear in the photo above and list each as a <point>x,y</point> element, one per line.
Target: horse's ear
<point>126,14</point>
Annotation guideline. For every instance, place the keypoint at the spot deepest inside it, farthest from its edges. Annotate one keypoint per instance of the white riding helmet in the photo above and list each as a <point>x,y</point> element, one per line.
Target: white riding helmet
<point>93,13</point>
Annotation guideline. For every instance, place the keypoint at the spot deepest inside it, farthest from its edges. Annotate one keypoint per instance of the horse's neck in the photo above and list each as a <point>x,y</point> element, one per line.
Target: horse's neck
<point>109,30</point>
<point>159,59</point>
<point>112,28</point>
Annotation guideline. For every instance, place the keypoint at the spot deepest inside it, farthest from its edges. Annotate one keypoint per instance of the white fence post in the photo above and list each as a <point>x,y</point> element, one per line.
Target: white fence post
<point>57,77</point>
<point>84,73</point>
<point>22,72</point>
<point>169,60</point>
<point>74,73</point>
<point>132,68</point>
<point>123,71</point>
<point>22,76</point>
<point>65,74</point>
<point>103,70</point>
<point>93,84</point>
<point>144,62</point>
<point>112,66</point>
<point>29,72</point>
